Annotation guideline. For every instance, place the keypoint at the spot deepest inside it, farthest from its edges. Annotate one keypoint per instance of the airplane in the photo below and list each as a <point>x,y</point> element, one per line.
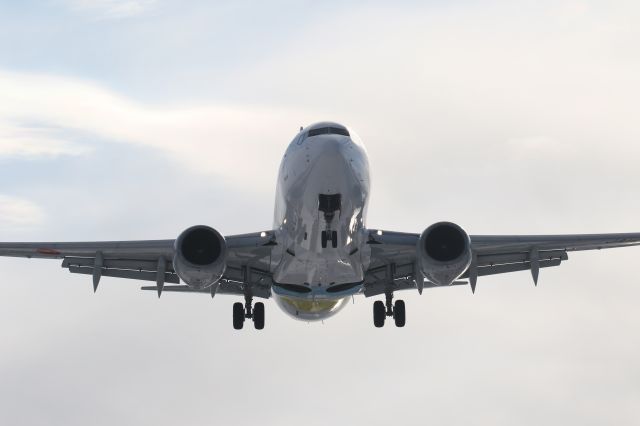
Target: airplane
<point>319,253</point>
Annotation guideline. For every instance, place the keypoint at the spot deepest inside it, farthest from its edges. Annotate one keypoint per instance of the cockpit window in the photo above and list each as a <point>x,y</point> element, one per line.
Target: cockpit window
<point>338,131</point>
<point>327,131</point>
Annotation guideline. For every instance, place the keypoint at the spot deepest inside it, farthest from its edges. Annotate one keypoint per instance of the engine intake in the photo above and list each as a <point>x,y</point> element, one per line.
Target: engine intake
<point>444,252</point>
<point>200,256</point>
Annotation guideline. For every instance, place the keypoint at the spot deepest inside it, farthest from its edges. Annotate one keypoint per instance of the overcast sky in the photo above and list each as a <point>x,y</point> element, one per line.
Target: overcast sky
<point>134,119</point>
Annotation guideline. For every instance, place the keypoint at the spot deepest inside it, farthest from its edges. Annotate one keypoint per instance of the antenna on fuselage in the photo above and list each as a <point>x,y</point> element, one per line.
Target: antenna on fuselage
<point>301,128</point>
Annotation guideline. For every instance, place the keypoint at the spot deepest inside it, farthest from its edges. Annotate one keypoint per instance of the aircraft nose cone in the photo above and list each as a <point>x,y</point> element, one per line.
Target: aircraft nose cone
<point>330,167</point>
<point>333,147</point>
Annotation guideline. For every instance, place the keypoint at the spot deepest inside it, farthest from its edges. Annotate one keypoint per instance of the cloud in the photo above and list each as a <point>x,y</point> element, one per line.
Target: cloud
<point>19,213</point>
<point>111,9</point>
<point>23,141</point>
<point>220,140</point>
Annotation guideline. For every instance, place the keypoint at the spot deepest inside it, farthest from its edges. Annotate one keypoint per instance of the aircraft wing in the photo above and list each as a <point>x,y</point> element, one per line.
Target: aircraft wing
<point>248,260</point>
<point>393,254</point>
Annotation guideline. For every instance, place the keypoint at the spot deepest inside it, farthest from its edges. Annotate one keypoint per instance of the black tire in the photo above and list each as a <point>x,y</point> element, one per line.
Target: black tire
<point>324,239</point>
<point>399,313</point>
<point>258,316</point>
<point>334,239</point>
<point>379,313</point>
<point>238,315</point>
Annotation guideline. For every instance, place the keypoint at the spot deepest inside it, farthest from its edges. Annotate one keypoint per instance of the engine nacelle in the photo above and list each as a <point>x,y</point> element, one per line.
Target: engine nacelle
<point>444,253</point>
<point>200,256</point>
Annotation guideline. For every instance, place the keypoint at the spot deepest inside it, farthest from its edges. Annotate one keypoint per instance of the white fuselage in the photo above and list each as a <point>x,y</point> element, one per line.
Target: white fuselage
<point>320,209</point>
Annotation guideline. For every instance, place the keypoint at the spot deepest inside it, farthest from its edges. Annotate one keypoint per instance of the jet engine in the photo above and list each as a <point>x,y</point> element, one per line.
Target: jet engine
<point>444,253</point>
<point>200,256</point>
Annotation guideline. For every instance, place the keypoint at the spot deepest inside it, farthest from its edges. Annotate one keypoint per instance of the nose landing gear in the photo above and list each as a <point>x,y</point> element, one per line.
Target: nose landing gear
<point>247,311</point>
<point>390,309</point>
<point>329,204</point>
<point>329,236</point>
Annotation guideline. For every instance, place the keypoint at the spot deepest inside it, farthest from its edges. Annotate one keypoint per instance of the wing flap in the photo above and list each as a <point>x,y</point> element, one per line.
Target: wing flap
<point>381,287</point>
<point>124,273</point>
<point>491,259</point>
<point>225,287</point>
<point>128,264</point>
<point>511,267</point>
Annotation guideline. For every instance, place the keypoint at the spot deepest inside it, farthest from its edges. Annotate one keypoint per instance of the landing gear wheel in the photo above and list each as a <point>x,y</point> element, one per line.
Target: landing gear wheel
<point>238,315</point>
<point>324,239</point>
<point>334,239</point>
<point>258,316</point>
<point>399,316</point>
<point>379,313</point>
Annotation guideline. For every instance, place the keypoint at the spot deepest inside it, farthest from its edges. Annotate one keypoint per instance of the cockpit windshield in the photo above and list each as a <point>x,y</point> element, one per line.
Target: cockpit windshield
<point>319,129</point>
<point>328,131</point>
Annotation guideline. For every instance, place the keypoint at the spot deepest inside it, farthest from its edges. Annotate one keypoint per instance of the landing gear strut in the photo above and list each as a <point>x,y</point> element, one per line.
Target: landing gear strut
<point>248,311</point>
<point>327,236</point>
<point>382,310</point>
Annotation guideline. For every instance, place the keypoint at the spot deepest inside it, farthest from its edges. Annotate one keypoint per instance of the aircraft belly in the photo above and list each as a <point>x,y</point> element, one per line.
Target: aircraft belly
<point>305,309</point>
<point>317,270</point>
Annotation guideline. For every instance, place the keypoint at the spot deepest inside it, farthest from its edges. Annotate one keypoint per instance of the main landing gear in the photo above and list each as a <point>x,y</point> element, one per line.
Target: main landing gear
<point>395,310</point>
<point>248,311</point>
